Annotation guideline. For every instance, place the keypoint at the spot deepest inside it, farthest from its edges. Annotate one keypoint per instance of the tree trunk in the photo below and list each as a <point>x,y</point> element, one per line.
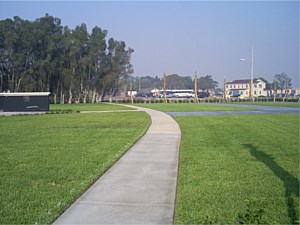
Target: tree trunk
<point>112,92</point>
<point>54,99</point>
<point>18,84</point>
<point>12,88</point>
<point>62,98</point>
<point>85,96</point>
<point>100,97</point>
<point>94,96</point>
<point>78,99</point>
<point>110,99</point>
<point>70,96</point>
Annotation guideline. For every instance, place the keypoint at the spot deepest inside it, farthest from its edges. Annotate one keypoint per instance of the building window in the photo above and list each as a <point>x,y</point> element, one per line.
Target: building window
<point>260,85</point>
<point>255,85</point>
<point>227,86</point>
<point>260,92</point>
<point>233,86</point>
<point>230,86</point>
<point>246,85</point>
<point>246,92</point>
<point>241,93</point>
<point>255,92</point>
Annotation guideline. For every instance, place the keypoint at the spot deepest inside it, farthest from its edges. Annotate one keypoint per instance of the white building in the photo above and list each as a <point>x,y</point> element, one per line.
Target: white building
<point>293,92</point>
<point>241,88</point>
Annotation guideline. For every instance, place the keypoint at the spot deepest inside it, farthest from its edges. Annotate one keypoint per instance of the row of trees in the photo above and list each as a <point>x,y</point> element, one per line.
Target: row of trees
<point>73,65</point>
<point>174,81</point>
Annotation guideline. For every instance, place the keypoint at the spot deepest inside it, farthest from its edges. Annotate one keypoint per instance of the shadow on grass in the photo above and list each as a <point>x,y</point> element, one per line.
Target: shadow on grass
<point>291,183</point>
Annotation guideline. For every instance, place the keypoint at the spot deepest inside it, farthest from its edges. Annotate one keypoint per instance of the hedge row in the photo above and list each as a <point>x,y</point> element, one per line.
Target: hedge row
<point>201,100</point>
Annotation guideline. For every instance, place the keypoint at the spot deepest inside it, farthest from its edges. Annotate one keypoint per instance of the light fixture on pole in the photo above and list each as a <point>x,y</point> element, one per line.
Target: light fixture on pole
<point>251,80</point>
<point>224,91</point>
<point>251,76</point>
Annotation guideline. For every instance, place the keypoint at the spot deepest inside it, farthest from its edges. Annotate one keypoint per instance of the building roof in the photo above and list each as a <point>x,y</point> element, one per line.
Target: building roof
<point>7,94</point>
<point>246,81</point>
<point>238,89</point>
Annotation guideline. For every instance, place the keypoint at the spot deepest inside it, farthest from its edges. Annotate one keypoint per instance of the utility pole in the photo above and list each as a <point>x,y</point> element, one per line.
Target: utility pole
<point>196,89</point>
<point>165,87</point>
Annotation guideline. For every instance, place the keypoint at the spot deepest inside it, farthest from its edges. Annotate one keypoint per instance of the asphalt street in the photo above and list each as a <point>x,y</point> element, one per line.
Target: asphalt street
<point>257,109</point>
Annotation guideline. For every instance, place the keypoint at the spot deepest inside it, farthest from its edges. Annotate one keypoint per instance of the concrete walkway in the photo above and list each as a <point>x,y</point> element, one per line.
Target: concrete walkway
<point>141,187</point>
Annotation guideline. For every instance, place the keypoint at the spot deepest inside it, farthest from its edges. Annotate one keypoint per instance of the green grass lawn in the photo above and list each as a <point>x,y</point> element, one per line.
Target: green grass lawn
<point>47,161</point>
<point>190,107</point>
<point>281,104</point>
<point>238,168</point>
<point>89,107</point>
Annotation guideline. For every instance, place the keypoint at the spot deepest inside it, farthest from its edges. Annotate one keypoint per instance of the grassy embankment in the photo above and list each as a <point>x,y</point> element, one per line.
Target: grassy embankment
<point>226,161</point>
<point>239,169</point>
<point>47,161</point>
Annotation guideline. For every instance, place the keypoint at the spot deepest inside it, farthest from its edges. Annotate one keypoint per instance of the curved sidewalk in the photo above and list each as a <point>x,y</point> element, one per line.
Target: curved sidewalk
<point>141,187</point>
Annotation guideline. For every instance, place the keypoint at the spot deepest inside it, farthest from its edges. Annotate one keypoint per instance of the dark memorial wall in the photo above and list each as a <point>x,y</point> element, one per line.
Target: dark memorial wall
<point>24,103</point>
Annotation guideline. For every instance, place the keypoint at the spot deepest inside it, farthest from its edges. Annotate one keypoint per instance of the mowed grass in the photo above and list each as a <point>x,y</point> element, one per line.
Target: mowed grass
<point>190,107</point>
<point>238,168</point>
<point>47,161</point>
<point>89,107</point>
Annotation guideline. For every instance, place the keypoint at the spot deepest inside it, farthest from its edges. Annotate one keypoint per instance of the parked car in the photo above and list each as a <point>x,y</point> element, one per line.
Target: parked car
<point>203,94</point>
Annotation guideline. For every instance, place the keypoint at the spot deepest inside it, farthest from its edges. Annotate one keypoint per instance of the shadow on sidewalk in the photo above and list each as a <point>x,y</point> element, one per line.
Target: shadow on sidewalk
<point>291,183</point>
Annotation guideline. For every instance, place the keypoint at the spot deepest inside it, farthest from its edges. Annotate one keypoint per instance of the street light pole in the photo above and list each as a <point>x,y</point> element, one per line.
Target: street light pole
<point>165,87</point>
<point>224,90</point>
<point>251,76</point>
<point>251,79</point>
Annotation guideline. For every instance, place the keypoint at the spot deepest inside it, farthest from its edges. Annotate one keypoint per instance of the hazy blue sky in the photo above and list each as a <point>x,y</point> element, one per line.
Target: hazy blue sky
<point>183,37</point>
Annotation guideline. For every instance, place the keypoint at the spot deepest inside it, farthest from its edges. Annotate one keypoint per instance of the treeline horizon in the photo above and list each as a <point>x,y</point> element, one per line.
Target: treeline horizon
<point>73,64</point>
<point>78,66</point>
<point>173,81</point>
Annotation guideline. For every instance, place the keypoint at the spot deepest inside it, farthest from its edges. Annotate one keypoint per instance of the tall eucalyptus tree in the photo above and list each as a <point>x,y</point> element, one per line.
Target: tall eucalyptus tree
<point>72,64</point>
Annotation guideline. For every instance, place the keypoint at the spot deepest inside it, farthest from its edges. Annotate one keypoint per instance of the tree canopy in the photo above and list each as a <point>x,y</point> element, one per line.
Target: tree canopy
<point>283,81</point>
<point>73,65</point>
<point>207,83</point>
